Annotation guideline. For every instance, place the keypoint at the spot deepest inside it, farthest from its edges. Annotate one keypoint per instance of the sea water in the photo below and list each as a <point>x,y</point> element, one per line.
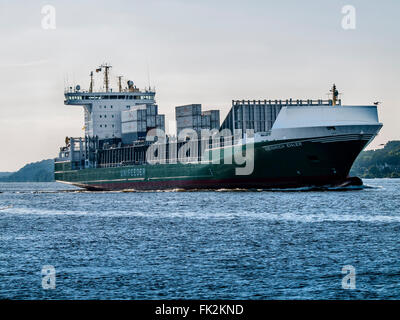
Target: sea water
<point>200,245</point>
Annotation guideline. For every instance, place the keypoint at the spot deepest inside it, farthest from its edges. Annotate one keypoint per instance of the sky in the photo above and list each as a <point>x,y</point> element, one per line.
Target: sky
<point>205,51</point>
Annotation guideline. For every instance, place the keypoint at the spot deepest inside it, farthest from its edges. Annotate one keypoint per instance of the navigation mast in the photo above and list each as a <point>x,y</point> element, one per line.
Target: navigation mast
<point>91,82</point>
<point>119,83</point>
<point>106,67</point>
<point>335,95</point>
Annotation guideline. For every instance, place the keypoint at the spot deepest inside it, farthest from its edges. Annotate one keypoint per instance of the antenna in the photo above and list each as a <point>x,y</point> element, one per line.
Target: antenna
<point>335,95</point>
<point>148,75</point>
<point>91,82</point>
<point>120,83</point>
<point>106,67</point>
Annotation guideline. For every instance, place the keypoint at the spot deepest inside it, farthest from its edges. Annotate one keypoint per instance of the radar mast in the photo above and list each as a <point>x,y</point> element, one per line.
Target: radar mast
<point>335,95</point>
<point>106,68</point>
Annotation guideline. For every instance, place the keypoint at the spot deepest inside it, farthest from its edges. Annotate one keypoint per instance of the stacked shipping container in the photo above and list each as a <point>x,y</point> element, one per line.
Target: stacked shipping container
<point>257,115</point>
<point>152,111</point>
<point>214,118</point>
<point>188,117</point>
<point>160,121</point>
<point>138,120</point>
<point>191,117</point>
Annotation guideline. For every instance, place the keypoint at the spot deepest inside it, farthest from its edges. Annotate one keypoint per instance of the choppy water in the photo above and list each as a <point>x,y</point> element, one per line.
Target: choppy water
<point>199,245</point>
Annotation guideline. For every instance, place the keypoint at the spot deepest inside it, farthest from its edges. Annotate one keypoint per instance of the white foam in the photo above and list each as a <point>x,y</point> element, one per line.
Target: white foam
<point>288,216</point>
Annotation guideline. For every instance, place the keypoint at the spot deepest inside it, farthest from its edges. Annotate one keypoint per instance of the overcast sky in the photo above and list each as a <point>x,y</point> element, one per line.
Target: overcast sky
<point>204,51</point>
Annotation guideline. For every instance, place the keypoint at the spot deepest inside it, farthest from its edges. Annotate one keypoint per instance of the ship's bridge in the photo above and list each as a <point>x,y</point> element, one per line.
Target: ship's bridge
<point>85,98</point>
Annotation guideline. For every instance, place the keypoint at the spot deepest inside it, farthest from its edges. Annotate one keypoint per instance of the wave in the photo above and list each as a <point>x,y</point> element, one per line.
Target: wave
<point>282,217</point>
<point>297,189</point>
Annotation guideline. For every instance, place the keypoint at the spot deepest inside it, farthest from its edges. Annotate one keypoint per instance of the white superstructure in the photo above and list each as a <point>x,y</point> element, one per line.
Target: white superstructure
<point>103,109</point>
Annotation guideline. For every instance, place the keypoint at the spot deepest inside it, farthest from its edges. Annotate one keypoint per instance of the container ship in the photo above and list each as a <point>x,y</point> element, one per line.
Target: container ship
<point>260,144</point>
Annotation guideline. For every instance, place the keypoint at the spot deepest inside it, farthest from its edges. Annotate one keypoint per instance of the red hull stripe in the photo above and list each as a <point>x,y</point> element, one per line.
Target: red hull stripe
<point>222,184</point>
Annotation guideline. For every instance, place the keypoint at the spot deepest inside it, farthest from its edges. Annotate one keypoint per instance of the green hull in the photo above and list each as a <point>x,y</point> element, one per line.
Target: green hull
<point>278,164</point>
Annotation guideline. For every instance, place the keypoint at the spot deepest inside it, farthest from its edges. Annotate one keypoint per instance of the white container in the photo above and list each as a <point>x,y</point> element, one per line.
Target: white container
<point>133,126</point>
<point>134,114</point>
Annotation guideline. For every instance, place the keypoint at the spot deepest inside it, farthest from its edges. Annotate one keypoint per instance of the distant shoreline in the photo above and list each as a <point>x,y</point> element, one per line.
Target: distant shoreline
<point>380,163</point>
<point>371,164</point>
<point>41,171</point>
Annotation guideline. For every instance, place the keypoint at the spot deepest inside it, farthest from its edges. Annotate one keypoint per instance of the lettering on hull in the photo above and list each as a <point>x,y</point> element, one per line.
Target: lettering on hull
<point>282,146</point>
<point>133,172</point>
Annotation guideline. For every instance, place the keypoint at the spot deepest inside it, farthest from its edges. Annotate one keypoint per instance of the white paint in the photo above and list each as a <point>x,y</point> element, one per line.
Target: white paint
<point>317,116</point>
<point>103,116</point>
